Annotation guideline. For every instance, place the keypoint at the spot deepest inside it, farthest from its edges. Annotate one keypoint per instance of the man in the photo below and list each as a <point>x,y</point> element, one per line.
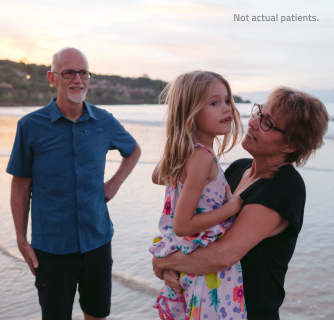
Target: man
<point>59,156</point>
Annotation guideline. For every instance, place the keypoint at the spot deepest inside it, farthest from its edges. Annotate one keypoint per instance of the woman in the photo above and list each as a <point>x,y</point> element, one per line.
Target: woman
<point>285,130</point>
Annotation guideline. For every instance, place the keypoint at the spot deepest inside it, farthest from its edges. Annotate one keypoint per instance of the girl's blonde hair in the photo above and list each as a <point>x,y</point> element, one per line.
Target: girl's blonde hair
<point>185,97</point>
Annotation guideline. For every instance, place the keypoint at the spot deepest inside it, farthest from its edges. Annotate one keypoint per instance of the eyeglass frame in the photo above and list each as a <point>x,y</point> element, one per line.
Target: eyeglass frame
<point>262,116</point>
<point>75,74</point>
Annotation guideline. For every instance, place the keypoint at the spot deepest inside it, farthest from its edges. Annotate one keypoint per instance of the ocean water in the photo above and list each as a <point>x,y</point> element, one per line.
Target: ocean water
<point>135,212</point>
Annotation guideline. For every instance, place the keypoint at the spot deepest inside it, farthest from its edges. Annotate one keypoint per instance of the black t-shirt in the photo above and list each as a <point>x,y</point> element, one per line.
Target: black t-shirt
<point>264,266</point>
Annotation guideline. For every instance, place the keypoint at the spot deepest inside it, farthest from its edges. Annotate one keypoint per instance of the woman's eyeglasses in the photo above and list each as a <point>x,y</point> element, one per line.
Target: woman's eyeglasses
<point>265,123</point>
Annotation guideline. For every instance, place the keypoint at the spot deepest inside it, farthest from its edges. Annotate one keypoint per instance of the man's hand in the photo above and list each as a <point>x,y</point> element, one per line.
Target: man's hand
<point>171,279</point>
<point>127,164</point>
<point>20,203</point>
<point>110,189</point>
<point>29,255</point>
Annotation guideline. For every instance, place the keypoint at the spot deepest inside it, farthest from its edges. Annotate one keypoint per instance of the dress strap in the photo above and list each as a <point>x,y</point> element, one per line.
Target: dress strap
<point>207,149</point>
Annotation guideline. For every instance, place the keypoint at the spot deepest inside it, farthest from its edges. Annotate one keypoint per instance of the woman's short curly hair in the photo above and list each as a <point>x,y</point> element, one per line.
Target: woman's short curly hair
<point>306,121</point>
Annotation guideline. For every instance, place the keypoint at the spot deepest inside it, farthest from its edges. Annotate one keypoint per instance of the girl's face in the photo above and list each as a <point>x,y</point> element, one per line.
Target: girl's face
<point>216,116</point>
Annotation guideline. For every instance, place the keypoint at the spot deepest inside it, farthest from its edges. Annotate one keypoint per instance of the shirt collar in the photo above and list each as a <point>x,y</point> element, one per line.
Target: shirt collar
<point>55,113</point>
<point>90,110</point>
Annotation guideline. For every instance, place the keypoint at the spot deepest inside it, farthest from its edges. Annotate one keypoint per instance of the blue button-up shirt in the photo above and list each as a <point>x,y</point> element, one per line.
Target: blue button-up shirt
<point>66,162</point>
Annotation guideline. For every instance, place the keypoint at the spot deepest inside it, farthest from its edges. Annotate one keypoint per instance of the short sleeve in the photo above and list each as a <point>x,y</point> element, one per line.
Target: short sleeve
<point>120,139</point>
<point>285,193</point>
<point>20,161</point>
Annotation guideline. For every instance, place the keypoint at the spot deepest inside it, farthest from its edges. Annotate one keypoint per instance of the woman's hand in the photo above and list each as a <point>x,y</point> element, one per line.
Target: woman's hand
<point>158,271</point>
<point>171,279</point>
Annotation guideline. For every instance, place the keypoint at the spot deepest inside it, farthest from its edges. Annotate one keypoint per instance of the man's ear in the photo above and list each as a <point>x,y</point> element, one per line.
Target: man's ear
<point>51,77</point>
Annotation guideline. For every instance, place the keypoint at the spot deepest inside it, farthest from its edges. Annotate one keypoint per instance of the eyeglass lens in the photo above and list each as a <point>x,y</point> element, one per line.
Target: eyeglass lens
<point>265,123</point>
<point>255,111</point>
<point>70,74</point>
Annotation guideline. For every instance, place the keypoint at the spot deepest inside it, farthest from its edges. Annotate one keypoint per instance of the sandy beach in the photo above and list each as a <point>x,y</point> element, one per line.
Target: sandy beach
<point>135,213</point>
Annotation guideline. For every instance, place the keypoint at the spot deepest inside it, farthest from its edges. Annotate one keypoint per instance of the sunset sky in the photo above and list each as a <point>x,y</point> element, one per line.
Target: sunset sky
<point>165,38</point>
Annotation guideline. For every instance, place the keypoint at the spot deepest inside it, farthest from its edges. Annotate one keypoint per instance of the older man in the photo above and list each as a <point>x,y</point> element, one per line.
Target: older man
<point>59,156</point>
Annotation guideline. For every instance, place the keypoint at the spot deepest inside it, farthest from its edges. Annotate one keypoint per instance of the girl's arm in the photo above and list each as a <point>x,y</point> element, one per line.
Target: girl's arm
<point>197,172</point>
<point>155,176</point>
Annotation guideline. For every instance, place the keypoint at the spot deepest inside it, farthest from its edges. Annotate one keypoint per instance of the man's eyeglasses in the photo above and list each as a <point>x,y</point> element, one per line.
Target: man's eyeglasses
<point>265,123</point>
<point>70,74</point>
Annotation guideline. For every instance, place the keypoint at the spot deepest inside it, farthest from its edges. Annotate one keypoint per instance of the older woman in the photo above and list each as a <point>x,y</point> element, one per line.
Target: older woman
<point>285,130</point>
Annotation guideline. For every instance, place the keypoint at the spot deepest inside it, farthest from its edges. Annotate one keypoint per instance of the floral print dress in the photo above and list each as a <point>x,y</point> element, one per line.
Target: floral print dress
<point>212,296</point>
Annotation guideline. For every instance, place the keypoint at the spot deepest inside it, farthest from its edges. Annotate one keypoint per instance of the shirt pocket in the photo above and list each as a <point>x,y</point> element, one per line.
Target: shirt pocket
<point>94,144</point>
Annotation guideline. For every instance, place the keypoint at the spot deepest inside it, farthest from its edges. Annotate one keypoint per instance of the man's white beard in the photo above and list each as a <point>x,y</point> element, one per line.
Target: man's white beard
<point>77,98</point>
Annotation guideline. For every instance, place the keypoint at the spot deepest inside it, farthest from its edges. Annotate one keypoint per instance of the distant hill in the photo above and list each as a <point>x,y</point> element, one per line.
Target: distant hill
<point>24,84</point>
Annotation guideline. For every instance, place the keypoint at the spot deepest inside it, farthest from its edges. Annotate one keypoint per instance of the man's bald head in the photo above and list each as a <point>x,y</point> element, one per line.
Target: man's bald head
<point>63,54</point>
<point>69,90</point>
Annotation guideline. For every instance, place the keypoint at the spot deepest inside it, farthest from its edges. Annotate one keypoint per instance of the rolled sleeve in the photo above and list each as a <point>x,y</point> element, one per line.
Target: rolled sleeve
<point>20,162</point>
<point>120,139</point>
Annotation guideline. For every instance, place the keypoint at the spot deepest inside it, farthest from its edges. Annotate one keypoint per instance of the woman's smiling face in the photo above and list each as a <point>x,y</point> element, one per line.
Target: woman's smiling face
<point>265,144</point>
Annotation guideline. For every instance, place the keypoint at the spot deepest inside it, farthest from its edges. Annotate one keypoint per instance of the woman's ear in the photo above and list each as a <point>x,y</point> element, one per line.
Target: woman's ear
<point>290,148</point>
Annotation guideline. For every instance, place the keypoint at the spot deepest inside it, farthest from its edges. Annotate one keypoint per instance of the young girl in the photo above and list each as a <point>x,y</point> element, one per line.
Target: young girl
<point>200,108</point>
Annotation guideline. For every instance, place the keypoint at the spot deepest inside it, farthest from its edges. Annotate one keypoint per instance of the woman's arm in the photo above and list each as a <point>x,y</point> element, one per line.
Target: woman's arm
<point>197,173</point>
<point>254,223</point>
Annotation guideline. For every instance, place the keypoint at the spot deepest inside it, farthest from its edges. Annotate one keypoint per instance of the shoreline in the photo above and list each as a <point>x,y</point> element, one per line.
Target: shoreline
<point>150,139</point>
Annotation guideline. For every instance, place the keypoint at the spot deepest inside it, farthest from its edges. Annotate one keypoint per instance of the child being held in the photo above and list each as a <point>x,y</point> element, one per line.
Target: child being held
<point>199,206</point>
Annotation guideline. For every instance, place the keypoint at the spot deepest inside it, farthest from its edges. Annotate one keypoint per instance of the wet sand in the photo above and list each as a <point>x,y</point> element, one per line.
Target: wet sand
<point>135,212</point>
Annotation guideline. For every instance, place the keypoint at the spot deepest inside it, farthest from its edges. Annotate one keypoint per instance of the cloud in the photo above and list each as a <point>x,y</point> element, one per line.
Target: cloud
<point>185,9</point>
<point>16,43</point>
<point>164,38</point>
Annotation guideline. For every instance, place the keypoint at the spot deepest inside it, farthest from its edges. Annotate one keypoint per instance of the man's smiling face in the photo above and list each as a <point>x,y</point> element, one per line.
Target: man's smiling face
<point>71,90</point>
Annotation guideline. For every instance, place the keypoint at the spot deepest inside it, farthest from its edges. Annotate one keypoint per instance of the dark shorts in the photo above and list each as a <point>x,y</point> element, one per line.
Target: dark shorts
<point>57,278</point>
